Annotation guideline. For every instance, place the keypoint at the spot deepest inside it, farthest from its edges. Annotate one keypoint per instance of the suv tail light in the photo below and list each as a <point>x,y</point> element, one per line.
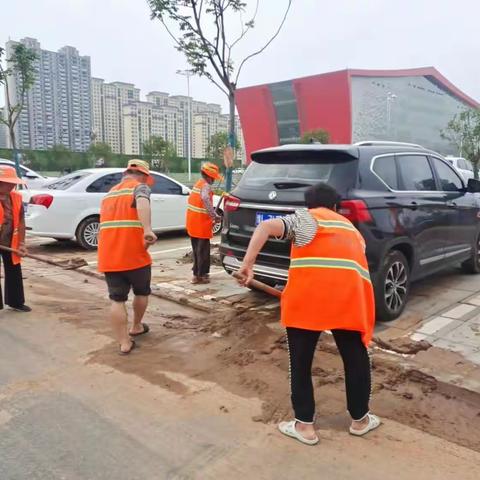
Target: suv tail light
<point>355,210</point>
<point>231,203</point>
<point>42,199</point>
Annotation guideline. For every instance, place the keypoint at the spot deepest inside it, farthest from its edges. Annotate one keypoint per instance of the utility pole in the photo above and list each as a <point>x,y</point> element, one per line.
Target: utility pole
<point>188,74</point>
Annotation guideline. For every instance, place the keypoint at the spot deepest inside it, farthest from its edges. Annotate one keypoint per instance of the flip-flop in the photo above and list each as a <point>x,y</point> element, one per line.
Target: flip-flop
<point>146,329</point>
<point>133,347</point>
<point>373,423</point>
<point>288,429</point>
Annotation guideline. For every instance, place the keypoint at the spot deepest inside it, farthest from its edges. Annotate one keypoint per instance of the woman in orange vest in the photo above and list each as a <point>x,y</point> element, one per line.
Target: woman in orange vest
<point>12,234</point>
<point>125,235</point>
<point>328,288</point>
<point>200,219</point>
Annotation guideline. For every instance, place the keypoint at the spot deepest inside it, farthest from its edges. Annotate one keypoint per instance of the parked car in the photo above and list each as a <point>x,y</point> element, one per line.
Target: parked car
<point>34,180</point>
<point>414,210</point>
<point>69,207</point>
<point>463,165</point>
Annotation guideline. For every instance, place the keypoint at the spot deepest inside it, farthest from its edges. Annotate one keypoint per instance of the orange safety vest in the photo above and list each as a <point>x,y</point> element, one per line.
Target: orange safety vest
<point>121,244</point>
<point>329,284</point>
<point>199,222</point>
<point>16,199</point>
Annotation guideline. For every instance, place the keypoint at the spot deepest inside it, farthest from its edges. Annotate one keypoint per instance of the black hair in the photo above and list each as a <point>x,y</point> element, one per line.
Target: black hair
<point>207,177</point>
<point>321,195</point>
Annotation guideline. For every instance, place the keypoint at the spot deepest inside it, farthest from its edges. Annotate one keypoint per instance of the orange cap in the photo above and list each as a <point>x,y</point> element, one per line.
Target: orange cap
<point>9,175</point>
<point>142,167</point>
<point>212,171</point>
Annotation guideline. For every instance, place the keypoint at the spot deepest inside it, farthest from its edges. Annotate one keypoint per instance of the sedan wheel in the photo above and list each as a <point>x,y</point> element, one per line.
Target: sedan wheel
<point>87,233</point>
<point>217,227</point>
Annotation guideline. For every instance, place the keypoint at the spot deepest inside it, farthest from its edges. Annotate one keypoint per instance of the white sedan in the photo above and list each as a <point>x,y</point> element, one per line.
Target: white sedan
<point>33,179</point>
<point>69,207</point>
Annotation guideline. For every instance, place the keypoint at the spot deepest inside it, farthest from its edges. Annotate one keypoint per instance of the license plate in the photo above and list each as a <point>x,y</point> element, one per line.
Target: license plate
<point>261,217</point>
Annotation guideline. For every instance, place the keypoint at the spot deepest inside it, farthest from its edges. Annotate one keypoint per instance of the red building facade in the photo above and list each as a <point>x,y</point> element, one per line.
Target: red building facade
<point>403,105</point>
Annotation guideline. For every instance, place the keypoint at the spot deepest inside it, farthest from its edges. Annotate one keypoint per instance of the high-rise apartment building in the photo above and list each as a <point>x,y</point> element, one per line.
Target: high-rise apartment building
<point>206,124</point>
<point>58,106</point>
<point>143,120</point>
<point>108,100</point>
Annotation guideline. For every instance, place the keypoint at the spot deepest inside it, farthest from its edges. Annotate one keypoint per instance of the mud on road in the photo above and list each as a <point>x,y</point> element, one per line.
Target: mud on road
<point>244,351</point>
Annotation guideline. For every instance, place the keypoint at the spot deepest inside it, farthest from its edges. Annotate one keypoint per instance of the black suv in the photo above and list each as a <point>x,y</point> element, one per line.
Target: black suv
<point>413,209</point>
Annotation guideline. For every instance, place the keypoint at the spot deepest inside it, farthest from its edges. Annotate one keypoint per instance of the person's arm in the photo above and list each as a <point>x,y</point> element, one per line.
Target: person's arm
<point>22,248</point>
<point>207,201</point>
<point>267,229</point>
<point>145,217</point>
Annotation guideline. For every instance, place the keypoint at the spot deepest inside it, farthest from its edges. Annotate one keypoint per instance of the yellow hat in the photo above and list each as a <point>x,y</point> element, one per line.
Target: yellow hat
<point>142,167</point>
<point>212,171</point>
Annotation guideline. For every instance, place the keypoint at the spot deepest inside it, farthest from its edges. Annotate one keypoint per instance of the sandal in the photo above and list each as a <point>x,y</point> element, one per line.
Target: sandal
<point>373,423</point>
<point>288,429</point>
<point>134,345</point>
<point>146,329</point>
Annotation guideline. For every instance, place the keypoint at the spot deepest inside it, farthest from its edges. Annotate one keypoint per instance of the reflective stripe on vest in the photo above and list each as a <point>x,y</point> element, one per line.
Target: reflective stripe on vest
<point>321,262</point>
<point>121,224</point>
<point>120,193</point>
<point>197,209</point>
<point>336,224</point>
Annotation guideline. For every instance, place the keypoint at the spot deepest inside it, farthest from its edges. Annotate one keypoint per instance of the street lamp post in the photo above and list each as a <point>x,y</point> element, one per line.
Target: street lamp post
<point>390,98</point>
<point>188,74</point>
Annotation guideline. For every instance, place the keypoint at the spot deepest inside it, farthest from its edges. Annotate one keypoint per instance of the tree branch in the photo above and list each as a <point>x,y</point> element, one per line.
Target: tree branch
<point>258,52</point>
<point>244,30</point>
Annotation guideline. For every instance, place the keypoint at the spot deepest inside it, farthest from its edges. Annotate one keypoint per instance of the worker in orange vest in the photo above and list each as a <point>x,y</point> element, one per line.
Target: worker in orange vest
<point>12,235</point>
<point>200,219</point>
<point>124,238</point>
<point>328,288</point>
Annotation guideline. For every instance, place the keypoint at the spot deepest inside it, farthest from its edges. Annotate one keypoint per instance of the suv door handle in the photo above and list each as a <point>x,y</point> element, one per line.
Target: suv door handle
<point>414,205</point>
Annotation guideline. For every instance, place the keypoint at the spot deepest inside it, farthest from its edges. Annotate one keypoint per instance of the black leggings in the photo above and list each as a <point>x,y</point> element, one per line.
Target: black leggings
<point>356,362</point>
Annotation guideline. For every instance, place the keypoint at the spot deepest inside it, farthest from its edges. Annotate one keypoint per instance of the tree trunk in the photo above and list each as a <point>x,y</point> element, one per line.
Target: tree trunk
<point>231,139</point>
<point>13,144</point>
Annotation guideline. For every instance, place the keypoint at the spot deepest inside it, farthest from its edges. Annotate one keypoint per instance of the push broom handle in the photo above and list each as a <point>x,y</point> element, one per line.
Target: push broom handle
<point>30,255</point>
<point>260,286</point>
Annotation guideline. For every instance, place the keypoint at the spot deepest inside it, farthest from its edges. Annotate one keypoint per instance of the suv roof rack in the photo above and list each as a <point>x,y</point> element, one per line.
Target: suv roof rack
<point>385,143</point>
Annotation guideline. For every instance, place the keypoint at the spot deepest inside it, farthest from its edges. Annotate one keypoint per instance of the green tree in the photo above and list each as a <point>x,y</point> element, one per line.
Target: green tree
<point>101,154</point>
<point>207,36</point>
<point>22,65</point>
<point>161,153</point>
<point>216,146</point>
<point>313,136</point>
<point>464,132</point>
<point>60,157</point>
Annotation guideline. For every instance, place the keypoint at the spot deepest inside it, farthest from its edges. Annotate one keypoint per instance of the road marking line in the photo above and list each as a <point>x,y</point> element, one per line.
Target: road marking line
<point>434,325</point>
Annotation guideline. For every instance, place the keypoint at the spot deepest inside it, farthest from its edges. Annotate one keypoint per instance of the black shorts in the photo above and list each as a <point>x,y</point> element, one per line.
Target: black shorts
<point>120,283</point>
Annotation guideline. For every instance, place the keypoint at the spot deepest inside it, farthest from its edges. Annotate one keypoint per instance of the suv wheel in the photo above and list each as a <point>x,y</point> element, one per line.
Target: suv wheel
<point>472,265</point>
<point>87,233</point>
<point>392,286</point>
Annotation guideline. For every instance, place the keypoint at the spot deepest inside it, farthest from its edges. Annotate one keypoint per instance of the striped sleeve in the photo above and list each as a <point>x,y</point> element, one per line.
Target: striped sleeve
<point>300,227</point>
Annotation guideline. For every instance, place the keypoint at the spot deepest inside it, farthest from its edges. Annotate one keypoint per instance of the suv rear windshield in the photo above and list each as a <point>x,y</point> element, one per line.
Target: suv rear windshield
<point>338,174</point>
<point>67,181</point>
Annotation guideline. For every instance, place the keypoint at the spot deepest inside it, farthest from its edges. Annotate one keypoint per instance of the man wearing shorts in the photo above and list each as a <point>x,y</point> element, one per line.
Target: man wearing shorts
<point>124,238</point>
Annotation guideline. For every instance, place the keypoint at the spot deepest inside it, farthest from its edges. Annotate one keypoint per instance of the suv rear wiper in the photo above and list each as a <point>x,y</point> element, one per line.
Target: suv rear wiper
<point>285,185</point>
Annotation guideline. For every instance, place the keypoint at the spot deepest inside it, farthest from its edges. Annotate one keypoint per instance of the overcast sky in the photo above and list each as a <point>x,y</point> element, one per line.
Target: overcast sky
<point>319,36</point>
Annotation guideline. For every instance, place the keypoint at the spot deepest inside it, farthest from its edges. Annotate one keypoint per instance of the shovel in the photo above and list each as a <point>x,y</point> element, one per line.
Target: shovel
<point>70,264</point>
<point>255,284</point>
